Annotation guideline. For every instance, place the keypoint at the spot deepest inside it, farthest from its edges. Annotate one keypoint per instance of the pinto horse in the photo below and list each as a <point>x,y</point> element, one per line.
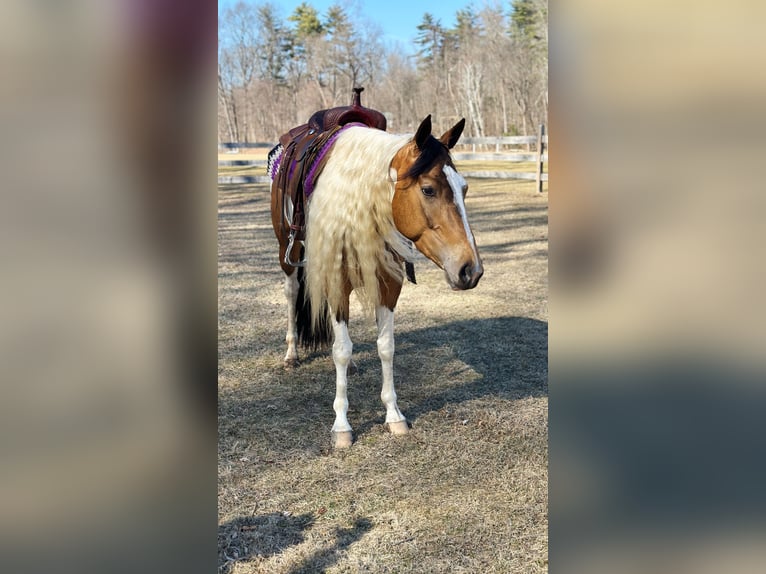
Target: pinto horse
<point>377,196</point>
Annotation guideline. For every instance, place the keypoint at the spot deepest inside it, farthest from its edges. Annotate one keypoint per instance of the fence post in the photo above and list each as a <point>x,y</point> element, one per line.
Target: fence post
<point>539,179</point>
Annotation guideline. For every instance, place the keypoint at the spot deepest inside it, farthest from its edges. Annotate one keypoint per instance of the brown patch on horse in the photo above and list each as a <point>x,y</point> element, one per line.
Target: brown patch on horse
<point>424,206</point>
<point>342,313</point>
<point>389,288</point>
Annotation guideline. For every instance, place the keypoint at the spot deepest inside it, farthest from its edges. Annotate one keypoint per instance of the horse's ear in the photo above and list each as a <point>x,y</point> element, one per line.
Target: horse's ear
<point>451,136</point>
<point>424,130</point>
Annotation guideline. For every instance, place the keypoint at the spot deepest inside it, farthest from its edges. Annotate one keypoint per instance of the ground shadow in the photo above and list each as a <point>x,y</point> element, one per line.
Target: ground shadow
<point>323,558</point>
<point>507,358</point>
<point>247,538</point>
<point>258,537</point>
<point>509,355</point>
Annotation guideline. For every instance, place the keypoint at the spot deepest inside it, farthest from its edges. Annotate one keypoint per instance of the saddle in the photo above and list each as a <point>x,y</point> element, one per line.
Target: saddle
<point>304,155</point>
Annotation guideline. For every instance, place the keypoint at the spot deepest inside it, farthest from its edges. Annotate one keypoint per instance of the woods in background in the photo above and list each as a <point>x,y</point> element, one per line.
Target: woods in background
<point>274,72</point>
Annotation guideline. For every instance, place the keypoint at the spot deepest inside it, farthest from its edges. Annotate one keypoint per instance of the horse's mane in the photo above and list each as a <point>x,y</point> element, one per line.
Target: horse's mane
<point>350,221</point>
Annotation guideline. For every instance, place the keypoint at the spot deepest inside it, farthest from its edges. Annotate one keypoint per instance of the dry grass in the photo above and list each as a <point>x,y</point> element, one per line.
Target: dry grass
<point>466,490</point>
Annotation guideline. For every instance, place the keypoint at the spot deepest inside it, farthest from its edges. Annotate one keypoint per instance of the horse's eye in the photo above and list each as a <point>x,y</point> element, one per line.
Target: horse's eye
<point>428,191</point>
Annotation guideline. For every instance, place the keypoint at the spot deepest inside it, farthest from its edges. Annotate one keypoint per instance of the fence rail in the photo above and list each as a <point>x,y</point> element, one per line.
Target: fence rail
<point>245,145</point>
<point>504,175</point>
<point>515,157</point>
<point>499,141</point>
<point>539,157</point>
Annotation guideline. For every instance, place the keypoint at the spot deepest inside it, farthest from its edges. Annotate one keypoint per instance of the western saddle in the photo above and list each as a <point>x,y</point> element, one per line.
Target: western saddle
<point>304,154</point>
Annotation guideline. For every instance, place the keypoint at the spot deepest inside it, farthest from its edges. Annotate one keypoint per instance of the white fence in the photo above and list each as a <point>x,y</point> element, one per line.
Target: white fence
<point>539,157</point>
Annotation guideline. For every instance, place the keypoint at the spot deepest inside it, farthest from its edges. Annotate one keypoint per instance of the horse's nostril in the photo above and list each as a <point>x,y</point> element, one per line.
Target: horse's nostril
<point>465,273</point>
<point>470,275</point>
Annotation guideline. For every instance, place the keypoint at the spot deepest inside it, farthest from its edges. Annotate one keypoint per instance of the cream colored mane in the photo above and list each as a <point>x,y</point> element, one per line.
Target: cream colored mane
<point>350,221</point>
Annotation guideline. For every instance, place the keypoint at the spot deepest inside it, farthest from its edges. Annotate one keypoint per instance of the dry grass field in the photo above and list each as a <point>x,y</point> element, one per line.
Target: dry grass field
<point>467,489</point>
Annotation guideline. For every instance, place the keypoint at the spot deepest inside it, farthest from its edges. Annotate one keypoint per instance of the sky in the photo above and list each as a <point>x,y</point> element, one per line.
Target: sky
<point>398,19</point>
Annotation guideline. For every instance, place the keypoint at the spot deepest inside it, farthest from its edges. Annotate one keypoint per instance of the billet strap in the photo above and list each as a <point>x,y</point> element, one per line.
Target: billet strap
<point>409,268</point>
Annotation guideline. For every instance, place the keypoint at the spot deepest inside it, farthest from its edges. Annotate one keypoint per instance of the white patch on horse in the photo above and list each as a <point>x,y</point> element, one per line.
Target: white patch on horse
<point>342,348</point>
<point>291,294</point>
<point>393,176</point>
<point>458,184</point>
<point>384,318</point>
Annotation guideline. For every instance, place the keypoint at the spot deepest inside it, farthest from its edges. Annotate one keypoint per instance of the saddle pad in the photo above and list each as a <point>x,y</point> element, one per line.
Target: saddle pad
<point>272,163</point>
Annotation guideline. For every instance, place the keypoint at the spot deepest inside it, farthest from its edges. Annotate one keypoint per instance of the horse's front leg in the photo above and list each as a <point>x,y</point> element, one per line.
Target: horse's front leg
<point>342,348</point>
<point>291,294</point>
<point>384,318</point>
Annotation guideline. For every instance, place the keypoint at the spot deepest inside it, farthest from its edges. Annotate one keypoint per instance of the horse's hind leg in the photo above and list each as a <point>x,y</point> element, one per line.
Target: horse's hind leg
<point>291,294</point>
<point>342,348</point>
<point>384,318</point>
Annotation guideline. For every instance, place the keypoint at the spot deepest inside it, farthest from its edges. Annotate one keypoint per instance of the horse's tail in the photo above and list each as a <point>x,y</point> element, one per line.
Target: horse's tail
<point>312,336</point>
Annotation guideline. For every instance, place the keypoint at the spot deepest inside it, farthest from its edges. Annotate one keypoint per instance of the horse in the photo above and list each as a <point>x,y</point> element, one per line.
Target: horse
<point>378,198</point>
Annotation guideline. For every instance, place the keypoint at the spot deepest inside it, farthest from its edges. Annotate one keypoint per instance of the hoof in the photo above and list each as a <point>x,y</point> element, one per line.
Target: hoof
<point>342,439</point>
<point>398,428</point>
<point>291,363</point>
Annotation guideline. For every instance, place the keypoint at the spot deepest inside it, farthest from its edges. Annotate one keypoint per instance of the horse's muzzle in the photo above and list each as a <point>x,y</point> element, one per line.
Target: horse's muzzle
<point>468,277</point>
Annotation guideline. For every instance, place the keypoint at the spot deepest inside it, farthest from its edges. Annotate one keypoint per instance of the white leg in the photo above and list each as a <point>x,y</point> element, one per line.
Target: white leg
<point>341,355</point>
<point>397,424</point>
<point>291,294</point>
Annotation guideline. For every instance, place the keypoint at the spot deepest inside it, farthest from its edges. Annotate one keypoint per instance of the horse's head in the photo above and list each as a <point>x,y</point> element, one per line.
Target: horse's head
<point>429,205</point>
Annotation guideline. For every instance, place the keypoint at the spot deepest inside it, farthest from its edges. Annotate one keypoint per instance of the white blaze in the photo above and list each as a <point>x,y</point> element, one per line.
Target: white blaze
<point>458,184</point>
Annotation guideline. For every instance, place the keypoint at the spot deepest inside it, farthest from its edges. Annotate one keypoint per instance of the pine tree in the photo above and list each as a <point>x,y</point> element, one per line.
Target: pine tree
<point>337,23</point>
<point>467,25</point>
<point>529,75</point>
<point>349,67</point>
<point>274,48</point>
<point>307,23</point>
<point>307,26</point>
<point>430,38</point>
<point>526,20</point>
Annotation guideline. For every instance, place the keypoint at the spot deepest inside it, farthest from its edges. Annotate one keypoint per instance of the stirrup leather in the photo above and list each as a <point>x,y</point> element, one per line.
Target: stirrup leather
<point>290,242</point>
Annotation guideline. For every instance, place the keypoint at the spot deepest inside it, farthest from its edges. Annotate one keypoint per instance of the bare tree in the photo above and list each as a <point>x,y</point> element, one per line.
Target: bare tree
<point>273,72</point>
<point>227,110</point>
<point>529,56</point>
<point>472,74</point>
<point>238,63</point>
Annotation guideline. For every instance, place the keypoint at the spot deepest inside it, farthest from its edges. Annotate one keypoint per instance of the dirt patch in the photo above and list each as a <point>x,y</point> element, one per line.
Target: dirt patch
<point>466,490</point>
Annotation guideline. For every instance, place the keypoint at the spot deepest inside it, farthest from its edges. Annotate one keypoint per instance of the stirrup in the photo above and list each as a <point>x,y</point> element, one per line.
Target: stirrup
<point>290,242</point>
